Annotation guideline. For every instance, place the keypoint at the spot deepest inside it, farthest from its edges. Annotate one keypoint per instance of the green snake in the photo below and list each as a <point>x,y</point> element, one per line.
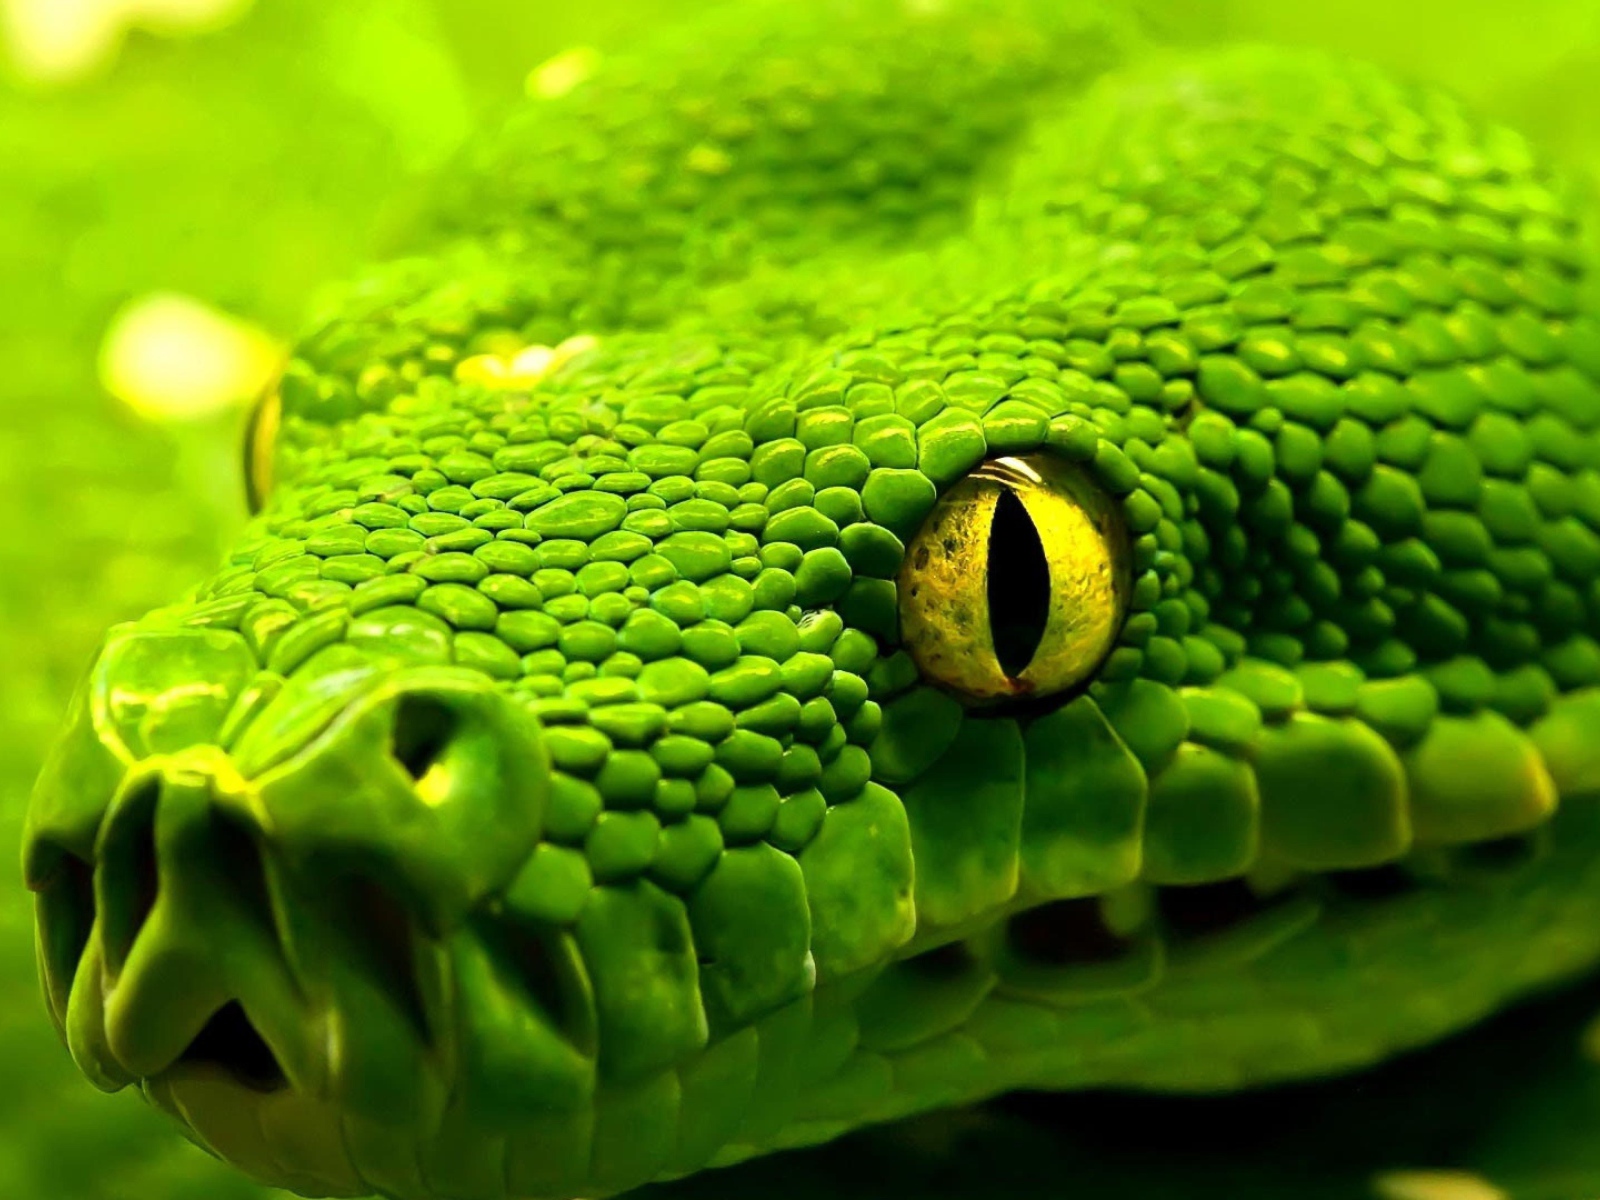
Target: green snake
<point>877,554</point>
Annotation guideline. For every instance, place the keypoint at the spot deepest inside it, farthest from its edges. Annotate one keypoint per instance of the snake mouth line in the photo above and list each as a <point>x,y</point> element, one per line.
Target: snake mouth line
<point>1063,951</point>
<point>399,1025</point>
<point>1124,942</point>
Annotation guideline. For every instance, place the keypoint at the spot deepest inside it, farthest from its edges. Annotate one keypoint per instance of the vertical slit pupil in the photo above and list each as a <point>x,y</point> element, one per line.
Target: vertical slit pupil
<point>1018,585</point>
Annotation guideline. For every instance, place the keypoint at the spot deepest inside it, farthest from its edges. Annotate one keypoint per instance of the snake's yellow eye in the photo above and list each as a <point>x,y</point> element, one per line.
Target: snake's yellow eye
<point>1017,583</point>
<point>260,441</point>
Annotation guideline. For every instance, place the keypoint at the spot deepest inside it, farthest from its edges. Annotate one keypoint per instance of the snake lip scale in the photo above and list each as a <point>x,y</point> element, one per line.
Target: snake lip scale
<point>870,556</point>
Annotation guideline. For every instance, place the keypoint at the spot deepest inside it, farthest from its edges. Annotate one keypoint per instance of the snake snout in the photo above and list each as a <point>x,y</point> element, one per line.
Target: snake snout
<point>259,911</point>
<point>427,785</point>
<point>163,943</point>
<point>189,949</point>
<point>155,698</point>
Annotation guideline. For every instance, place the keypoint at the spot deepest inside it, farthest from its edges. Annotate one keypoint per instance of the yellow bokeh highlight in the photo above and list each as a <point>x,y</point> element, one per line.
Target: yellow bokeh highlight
<point>560,73</point>
<point>170,357</point>
<point>57,41</point>
<point>521,368</point>
<point>1436,1185</point>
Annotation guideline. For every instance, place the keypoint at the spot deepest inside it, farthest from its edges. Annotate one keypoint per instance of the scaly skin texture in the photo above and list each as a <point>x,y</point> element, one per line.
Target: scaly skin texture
<point>559,787</point>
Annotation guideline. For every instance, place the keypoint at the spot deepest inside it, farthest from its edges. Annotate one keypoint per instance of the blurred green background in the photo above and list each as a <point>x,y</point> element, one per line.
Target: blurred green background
<point>238,154</point>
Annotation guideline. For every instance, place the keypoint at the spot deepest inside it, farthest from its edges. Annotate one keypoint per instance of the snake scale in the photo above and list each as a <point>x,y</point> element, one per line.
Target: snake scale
<point>875,554</point>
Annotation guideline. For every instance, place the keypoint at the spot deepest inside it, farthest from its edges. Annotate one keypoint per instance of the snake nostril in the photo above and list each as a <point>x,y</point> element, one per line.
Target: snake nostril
<point>127,881</point>
<point>423,728</point>
<point>229,1040</point>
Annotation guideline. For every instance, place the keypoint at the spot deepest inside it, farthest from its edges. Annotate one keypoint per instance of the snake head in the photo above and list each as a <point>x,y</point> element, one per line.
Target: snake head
<point>1098,590</point>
